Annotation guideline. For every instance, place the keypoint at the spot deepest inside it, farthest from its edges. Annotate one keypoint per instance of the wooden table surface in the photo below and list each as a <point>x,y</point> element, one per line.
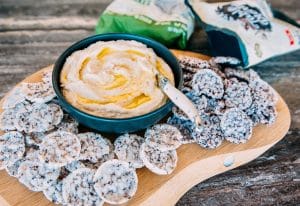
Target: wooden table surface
<point>34,33</point>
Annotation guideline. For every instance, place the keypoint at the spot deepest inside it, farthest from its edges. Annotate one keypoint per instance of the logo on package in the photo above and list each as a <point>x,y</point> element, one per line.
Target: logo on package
<point>250,17</point>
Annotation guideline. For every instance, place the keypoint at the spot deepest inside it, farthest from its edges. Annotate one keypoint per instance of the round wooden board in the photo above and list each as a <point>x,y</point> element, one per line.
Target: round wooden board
<point>195,164</point>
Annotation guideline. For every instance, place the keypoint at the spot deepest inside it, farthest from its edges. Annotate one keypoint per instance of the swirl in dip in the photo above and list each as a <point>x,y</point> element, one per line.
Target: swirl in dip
<point>114,79</point>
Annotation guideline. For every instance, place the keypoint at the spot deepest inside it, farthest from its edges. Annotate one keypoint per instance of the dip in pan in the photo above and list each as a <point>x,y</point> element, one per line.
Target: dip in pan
<point>114,79</point>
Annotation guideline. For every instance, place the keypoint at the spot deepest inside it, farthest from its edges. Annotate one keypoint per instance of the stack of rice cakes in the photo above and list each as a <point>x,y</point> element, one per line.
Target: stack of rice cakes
<point>43,148</point>
<point>230,101</point>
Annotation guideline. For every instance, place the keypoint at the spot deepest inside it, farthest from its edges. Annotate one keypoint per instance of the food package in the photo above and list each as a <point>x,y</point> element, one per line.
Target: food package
<point>246,29</point>
<point>170,22</point>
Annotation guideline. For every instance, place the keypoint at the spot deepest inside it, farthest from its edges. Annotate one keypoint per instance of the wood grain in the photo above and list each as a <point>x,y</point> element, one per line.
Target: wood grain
<point>195,164</point>
<point>34,33</point>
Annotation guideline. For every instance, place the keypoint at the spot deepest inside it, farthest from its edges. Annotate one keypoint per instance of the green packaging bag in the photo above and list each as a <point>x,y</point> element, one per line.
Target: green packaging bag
<point>170,22</point>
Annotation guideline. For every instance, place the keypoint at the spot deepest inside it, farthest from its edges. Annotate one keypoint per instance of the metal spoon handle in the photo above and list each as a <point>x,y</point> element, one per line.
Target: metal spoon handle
<point>179,99</point>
